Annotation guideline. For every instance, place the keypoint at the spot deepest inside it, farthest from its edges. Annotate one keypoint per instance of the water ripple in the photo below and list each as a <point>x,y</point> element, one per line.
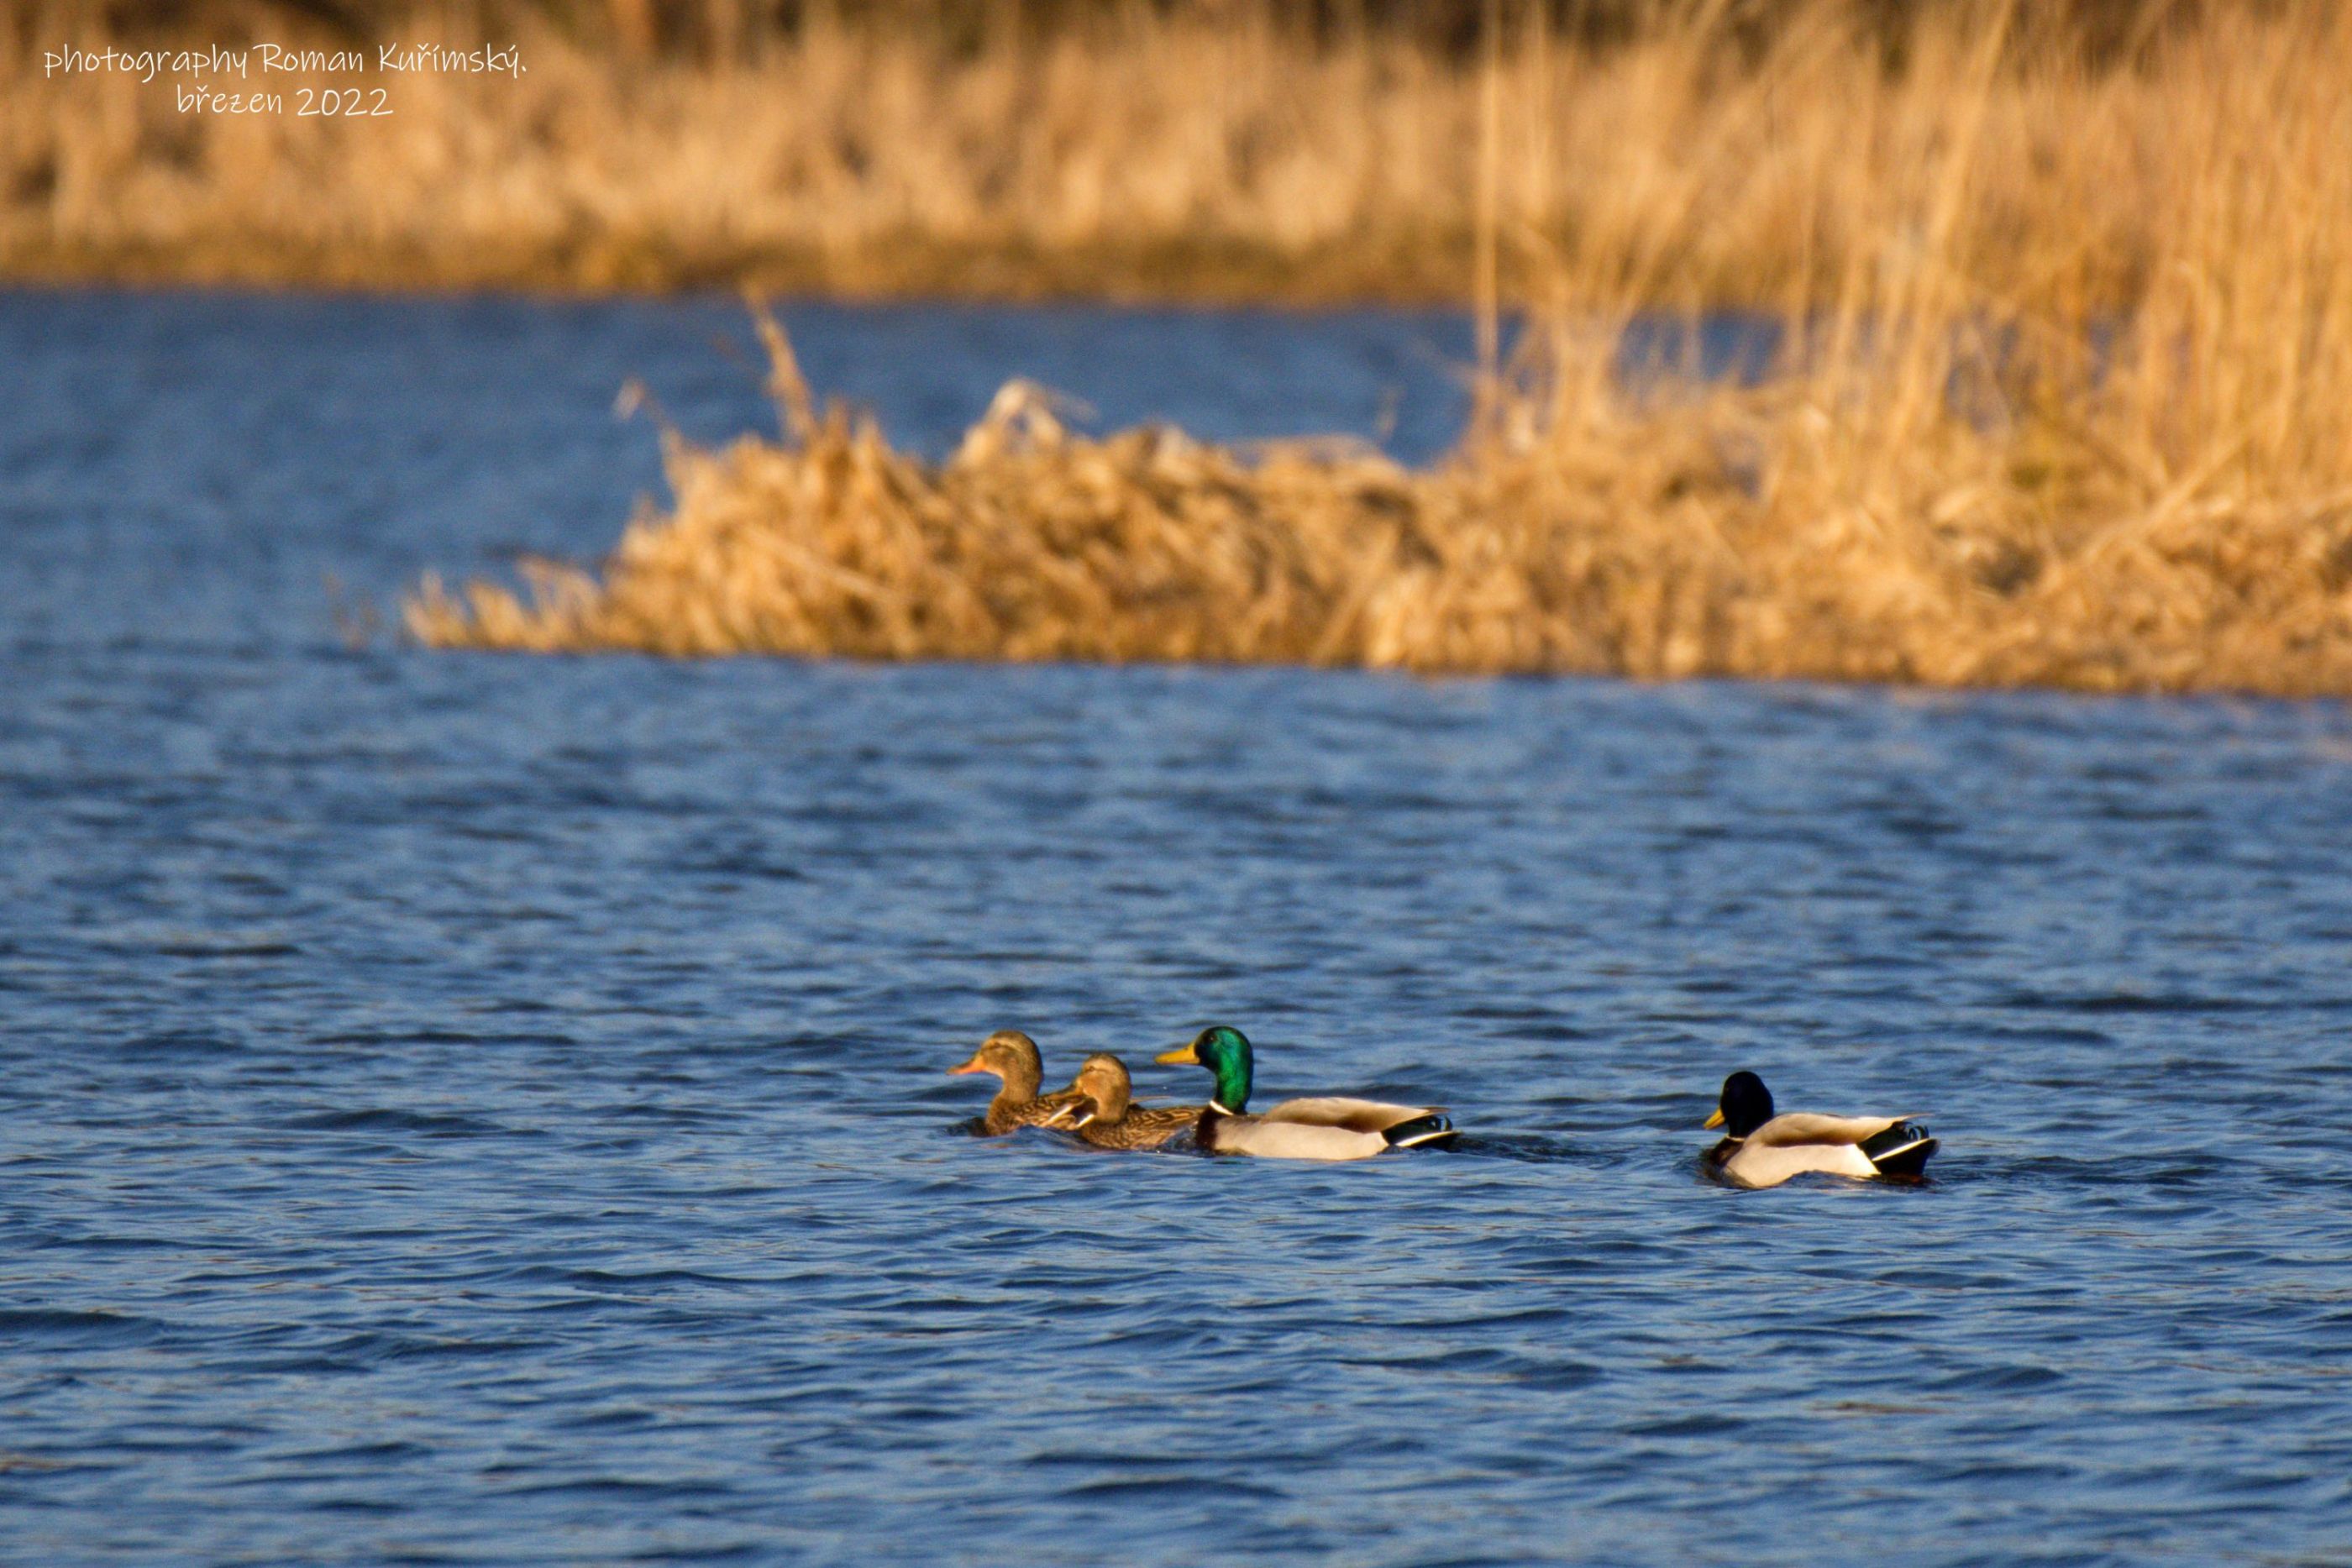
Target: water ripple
<point>493,1111</point>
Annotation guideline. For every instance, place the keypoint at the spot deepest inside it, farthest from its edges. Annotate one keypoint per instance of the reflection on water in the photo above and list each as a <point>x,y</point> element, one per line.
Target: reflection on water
<point>496,1108</point>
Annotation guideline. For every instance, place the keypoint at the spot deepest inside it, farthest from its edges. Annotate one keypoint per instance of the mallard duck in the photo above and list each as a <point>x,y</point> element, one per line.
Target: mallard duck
<point>1107,1116</point>
<point>1760,1149</point>
<point>1012,1057</point>
<point>1318,1128</point>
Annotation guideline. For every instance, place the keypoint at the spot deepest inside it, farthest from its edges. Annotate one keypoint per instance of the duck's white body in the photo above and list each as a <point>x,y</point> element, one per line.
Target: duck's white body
<point>1803,1144</point>
<point>1326,1127</point>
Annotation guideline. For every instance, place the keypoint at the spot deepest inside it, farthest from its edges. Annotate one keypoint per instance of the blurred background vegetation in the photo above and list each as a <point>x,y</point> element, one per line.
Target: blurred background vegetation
<point>1736,152</point>
<point>711,31</point>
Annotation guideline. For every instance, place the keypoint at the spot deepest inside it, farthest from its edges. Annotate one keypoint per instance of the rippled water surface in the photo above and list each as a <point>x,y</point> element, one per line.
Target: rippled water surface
<point>465,1108</point>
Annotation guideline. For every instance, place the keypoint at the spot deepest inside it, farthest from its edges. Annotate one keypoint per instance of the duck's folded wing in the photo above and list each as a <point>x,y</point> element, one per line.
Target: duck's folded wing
<point>1355,1115</point>
<point>1270,1139</point>
<point>1047,1109</point>
<point>1158,1124</point>
<point>1166,1115</point>
<point>1802,1127</point>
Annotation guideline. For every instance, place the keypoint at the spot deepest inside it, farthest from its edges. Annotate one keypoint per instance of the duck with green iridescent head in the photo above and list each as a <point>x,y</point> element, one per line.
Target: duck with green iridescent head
<point>1326,1127</point>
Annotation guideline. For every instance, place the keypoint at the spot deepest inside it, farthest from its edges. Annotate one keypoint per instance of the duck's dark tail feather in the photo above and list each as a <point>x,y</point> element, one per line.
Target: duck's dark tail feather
<point>1900,1151</point>
<point>1430,1129</point>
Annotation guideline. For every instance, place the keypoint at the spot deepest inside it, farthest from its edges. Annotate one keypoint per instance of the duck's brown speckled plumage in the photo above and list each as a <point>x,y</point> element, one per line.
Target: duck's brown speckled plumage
<point>1012,1057</point>
<point>1114,1121</point>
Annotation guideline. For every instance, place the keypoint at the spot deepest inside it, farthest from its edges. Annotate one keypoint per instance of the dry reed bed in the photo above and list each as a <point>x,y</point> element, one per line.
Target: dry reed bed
<point>1727,537</point>
<point>2030,434</point>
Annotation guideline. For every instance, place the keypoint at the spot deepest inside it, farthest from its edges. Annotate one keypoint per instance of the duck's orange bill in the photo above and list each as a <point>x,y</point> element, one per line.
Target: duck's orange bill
<point>1716,1119</point>
<point>971,1066</point>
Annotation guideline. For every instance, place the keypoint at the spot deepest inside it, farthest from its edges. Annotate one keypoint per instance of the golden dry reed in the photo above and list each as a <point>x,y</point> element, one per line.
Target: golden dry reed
<point>2019,435</point>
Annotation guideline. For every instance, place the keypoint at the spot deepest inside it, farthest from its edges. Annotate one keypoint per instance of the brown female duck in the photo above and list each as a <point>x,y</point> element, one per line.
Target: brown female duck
<point>1107,1116</point>
<point>1012,1057</point>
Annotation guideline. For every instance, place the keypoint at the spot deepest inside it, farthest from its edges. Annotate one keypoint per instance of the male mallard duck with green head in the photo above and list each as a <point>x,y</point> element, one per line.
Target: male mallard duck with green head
<point>1326,1128</point>
<point>1012,1057</point>
<point>1107,1116</point>
<point>1761,1149</point>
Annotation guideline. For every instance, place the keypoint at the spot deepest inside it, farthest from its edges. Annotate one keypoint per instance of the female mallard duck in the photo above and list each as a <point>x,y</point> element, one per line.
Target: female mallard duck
<point>1760,1149</point>
<point>1107,1116</point>
<point>1319,1129</point>
<point>1012,1057</point>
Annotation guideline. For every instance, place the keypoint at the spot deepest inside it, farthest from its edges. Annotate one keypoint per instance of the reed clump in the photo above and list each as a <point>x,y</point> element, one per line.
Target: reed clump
<point>1961,473</point>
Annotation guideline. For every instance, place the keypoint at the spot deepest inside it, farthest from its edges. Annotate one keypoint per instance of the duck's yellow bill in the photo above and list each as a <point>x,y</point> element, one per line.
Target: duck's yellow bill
<point>1182,1053</point>
<point>1716,1119</point>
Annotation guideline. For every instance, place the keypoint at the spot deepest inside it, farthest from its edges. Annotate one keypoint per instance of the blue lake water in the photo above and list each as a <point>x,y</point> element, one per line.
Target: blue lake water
<point>479,1109</point>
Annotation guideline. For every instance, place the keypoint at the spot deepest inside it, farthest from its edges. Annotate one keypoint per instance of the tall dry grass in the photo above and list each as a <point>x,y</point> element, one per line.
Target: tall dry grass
<point>1204,150</point>
<point>2024,433</point>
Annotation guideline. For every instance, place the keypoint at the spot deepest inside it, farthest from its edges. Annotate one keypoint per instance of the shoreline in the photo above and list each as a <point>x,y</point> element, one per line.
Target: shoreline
<point>1171,275</point>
